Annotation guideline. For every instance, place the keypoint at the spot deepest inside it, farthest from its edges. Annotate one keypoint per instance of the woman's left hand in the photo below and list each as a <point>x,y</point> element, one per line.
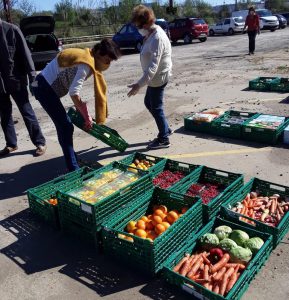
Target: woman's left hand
<point>134,89</point>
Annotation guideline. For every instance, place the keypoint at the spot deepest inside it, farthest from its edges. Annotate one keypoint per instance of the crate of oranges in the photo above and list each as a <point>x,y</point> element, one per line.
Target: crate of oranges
<point>151,228</point>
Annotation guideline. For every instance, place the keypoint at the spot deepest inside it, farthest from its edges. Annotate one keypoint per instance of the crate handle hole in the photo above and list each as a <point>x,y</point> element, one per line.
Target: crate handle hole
<point>278,188</point>
<point>224,174</point>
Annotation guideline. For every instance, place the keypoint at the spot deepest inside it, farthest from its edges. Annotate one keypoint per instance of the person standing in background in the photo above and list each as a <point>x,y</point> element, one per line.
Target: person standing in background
<point>252,25</point>
<point>15,64</point>
<point>156,63</point>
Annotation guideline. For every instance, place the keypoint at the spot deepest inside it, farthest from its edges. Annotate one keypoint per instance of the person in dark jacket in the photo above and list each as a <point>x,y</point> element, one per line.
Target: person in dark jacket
<point>253,27</point>
<point>15,64</point>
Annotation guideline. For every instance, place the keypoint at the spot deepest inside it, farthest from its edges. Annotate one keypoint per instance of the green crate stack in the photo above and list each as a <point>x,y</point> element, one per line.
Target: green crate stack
<point>158,161</point>
<point>221,128</point>
<point>265,188</point>
<point>263,83</point>
<point>231,181</point>
<point>191,245</point>
<point>38,197</point>
<point>107,135</point>
<point>263,135</point>
<point>203,127</point>
<point>175,166</point>
<point>142,253</point>
<point>282,86</point>
<point>84,219</point>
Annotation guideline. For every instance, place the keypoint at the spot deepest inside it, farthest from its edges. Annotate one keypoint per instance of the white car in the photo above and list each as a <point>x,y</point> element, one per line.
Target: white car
<point>227,26</point>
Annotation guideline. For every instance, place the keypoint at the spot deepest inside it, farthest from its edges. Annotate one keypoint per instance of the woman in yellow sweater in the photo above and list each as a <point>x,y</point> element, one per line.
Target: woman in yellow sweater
<point>66,74</point>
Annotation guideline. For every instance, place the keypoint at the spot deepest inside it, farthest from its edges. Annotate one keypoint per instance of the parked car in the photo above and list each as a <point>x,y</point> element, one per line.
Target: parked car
<point>282,21</point>
<point>128,37</point>
<point>227,26</point>
<point>40,38</point>
<point>286,16</point>
<point>164,25</point>
<point>188,29</point>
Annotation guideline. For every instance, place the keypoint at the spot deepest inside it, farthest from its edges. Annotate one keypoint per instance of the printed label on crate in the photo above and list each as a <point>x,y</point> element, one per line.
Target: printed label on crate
<point>86,208</point>
<point>191,290</point>
<point>248,130</point>
<point>72,200</point>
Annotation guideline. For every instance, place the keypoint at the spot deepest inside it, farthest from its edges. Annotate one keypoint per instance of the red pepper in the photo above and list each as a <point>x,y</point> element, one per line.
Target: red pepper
<point>216,254</point>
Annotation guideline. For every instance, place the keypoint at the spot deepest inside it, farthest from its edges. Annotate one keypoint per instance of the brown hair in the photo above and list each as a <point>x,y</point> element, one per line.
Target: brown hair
<point>251,8</point>
<point>107,47</point>
<point>142,15</point>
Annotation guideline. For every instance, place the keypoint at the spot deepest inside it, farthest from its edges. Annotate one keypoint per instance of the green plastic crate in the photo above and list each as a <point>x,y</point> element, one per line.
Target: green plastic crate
<point>203,127</point>
<point>282,86</point>
<point>141,253</point>
<point>38,197</point>
<point>158,161</point>
<point>263,135</point>
<point>266,188</point>
<point>173,166</point>
<point>231,181</point>
<point>221,128</point>
<point>263,83</point>
<point>107,135</point>
<point>245,278</point>
<point>86,217</point>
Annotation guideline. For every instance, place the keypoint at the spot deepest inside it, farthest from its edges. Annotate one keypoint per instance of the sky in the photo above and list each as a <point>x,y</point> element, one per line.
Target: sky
<point>49,4</point>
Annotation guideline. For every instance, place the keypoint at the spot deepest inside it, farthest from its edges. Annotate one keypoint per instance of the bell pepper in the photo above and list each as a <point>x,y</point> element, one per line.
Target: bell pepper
<point>216,254</point>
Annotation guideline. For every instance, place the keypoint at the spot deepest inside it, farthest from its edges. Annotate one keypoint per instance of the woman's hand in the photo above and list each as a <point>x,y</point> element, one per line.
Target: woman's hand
<point>134,89</point>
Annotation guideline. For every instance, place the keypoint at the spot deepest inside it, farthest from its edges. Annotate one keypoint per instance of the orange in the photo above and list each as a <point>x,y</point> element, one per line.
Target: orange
<point>174,210</point>
<point>155,207</point>
<point>140,224</point>
<point>141,233</point>
<point>172,217</point>
<point>158,212</point>
<point>149,225</point>
<point>149,217</point>
<point>159,229</point>
<point>157,219</point>
<point>130,226</point>
<point>184,209</point>
<point>144,218</point>
<point>151,235</point>
<point>163,209</point>
<point>166,224</point>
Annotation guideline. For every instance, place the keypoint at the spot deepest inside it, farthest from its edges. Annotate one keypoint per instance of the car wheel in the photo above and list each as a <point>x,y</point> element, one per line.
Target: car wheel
<point>211,32</point>
<point>138,46</point>
<point>187,39</point>
<point>202,40</point>
<point>230,31</point>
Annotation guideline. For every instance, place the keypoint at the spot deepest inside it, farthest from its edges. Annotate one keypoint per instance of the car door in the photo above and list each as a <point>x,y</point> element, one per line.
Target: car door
<point>133,35</point>
<point>226,25</point>
<point>121,37</point>
<point>218,27</point>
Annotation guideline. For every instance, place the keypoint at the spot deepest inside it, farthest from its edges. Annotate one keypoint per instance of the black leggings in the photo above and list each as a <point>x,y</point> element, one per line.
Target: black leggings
<point>252,38</point>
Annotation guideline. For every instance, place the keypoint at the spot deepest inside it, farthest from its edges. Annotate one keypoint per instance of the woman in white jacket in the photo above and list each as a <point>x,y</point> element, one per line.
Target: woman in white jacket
<point>156,63</point>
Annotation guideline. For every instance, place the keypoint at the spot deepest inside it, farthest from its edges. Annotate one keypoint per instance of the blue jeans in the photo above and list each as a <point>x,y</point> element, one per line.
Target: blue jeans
<point>54,108</point>
<point>21,99</point>
<point>154,103</point>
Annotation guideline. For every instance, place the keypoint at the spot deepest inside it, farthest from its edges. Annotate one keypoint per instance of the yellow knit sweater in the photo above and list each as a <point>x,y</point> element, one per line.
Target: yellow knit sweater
<point>73,56</point>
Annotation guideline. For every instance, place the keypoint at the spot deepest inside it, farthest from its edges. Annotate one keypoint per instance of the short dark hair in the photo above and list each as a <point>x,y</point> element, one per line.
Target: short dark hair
<point>251,8</point>
<point>107,47</point>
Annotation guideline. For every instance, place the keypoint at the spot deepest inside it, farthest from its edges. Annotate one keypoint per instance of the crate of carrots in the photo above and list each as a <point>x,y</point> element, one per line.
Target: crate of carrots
<point>262,204</point>
<point>220,261</point>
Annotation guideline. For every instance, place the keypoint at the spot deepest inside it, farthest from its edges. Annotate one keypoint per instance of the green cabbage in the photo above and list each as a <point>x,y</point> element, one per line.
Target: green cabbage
<point>222,232</point>
<point>227,244</point>
<point>254,244</point>
<point>239,236</point>
<point>240,255</point>
<point>209,240</point>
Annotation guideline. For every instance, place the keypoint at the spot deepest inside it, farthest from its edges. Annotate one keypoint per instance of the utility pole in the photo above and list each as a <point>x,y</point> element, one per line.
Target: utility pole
<point>6,5</point>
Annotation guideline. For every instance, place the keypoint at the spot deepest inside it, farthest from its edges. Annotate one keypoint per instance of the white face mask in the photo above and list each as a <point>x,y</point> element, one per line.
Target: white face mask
<point>143,32</point>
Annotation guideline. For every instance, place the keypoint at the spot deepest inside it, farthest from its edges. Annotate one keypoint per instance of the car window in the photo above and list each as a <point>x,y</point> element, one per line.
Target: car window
<point>123,30</point>
<point>227,21</point>
<point>171,25</point>
<point>180,23</point>
<point>130,29</point>
<point>220,23</point>
<point>263,13</point>
<point>198,21</point>
<point>238,20</point>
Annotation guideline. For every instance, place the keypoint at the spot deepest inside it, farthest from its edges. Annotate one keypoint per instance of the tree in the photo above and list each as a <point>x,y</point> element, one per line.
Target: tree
<point>27,7</point>
<point>64,8</point>
<point>276,5</point>
<point>224,12</point>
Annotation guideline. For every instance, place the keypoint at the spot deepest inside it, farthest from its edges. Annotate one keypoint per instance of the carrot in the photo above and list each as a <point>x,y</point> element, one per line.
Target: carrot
<point>229,272</point>
<point>221,263</point>
<point>195,267</point>
<point>206,260</point>
<point>206,272</point>
<point>223,285</point>
<point>201,280</point>
<point>232,280</point>
<point>241,266</point>
<point>280,209</point>
<point>186,266</point>
<point>210,287</point>
<point>273,206</point>
<point>202,266</point>
<point>181,262</point>
<point>216,288</point>
<point>278,216</point>
<point>220,274</point>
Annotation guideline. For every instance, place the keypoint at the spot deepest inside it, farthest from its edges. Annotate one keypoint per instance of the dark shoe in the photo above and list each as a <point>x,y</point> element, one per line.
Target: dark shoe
<point>252,53</point>
<point>40,150</point>
<point>171,131</point>
<point>158,144</point>
<point>7,150</point>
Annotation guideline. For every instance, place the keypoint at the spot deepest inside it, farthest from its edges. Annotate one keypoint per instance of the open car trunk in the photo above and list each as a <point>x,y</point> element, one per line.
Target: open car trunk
<point>42,42</point>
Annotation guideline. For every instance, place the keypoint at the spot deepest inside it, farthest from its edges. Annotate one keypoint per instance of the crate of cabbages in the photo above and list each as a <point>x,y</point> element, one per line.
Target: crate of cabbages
<point>265,128</point>
<point>220,261</point>
<point>261,204</point>
<point>263,83</point>
<point>213,186</point>
<point>203,121</point>
<point>281,86</point>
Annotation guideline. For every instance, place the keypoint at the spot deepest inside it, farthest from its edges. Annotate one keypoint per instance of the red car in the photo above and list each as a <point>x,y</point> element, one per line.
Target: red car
<point>188,29</point>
